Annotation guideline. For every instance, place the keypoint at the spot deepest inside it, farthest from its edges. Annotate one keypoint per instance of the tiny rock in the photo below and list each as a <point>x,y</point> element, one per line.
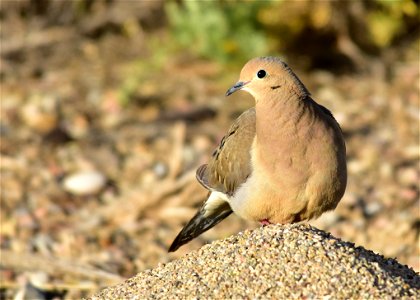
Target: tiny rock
<point>84,183</point>
<point>40,114</point>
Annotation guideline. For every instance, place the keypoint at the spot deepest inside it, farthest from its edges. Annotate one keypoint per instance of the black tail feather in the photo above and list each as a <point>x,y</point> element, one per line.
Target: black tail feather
<point>199,224</point>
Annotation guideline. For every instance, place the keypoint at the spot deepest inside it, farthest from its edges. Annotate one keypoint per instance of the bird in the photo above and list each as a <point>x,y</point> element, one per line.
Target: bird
<point>281,161</point>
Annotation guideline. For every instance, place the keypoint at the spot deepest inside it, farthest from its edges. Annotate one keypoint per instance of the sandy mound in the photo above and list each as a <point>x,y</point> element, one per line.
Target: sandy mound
<point>290,261</point>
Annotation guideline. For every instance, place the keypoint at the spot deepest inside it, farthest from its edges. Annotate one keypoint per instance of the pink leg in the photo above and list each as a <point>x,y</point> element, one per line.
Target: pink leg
<point>265,222</point>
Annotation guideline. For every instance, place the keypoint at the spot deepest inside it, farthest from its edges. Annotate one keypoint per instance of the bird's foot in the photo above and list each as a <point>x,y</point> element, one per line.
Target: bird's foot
<point>265,222</point>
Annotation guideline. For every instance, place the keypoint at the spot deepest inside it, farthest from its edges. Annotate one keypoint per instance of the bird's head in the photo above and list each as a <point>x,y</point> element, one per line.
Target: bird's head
<point>263,76</point>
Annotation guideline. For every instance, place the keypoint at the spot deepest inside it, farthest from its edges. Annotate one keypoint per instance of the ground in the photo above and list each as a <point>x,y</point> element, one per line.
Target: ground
<point>144,119</point>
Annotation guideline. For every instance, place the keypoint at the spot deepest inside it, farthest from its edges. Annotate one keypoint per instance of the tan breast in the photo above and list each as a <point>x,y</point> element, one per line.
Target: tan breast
<point>295,180</point>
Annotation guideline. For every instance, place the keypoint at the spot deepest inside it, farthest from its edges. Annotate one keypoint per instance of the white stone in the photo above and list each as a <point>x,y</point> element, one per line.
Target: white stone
<point>84,182</point>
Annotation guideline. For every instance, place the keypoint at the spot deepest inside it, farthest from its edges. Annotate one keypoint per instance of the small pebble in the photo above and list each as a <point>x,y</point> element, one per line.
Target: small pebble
<point>84,183</point>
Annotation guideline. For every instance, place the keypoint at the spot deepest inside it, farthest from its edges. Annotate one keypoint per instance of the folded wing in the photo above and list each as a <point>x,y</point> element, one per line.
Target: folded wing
<point>228,168</point>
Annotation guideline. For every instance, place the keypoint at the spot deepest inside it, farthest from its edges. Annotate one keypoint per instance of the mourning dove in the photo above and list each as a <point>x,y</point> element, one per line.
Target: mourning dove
<point>282,161</point>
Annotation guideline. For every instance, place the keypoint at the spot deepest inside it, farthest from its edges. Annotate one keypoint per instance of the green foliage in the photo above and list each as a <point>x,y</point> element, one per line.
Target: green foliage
<point>386,22</point>
<point>218,29</point>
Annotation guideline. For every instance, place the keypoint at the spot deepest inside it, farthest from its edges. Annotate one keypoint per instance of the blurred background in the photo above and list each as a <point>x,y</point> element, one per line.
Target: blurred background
<point>108,107</point>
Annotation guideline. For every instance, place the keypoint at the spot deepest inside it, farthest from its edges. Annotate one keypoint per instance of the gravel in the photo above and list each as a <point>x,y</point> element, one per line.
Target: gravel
<point>278,261</point>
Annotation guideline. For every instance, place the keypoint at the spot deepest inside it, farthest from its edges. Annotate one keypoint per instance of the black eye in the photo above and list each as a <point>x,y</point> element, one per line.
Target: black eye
<point>261,74</point>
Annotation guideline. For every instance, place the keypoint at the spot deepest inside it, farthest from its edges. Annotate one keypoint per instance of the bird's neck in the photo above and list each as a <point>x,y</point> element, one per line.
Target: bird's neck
<point>280,123</point>
<point>278,116</point>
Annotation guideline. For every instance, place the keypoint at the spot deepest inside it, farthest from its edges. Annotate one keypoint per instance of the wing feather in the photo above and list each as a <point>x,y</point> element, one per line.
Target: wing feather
<point>228,168</point>
<point>230,164</point>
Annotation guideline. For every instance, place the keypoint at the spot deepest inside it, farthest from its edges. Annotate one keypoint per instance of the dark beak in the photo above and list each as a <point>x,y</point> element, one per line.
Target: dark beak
<point>239,85</point>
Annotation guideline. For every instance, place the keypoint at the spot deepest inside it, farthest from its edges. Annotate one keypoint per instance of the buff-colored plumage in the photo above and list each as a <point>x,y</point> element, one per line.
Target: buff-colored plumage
<point>282,161</point>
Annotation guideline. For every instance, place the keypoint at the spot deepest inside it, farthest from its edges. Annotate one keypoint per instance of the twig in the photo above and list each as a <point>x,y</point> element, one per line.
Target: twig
<point>37,39</point>
<point>175,163</point>
<point>83,286</point>
<point>141,200</point>
<point>52,265</point>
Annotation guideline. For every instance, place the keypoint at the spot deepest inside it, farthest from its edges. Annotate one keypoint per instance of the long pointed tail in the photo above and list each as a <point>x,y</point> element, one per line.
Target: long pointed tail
<point>209,215</point>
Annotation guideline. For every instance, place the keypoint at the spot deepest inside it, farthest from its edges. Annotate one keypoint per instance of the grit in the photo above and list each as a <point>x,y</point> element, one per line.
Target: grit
<point>275,262</point>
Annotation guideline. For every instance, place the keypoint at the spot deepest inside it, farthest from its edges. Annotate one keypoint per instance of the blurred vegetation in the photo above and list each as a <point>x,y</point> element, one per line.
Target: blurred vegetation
<point>387,22</point>
<point>326,34</point>
<point>224,30</point>
<point>315,34</point>
<point>340,36</point>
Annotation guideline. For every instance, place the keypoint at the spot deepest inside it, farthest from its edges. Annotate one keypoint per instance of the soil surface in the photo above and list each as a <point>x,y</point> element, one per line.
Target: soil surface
<point>286,262</point>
